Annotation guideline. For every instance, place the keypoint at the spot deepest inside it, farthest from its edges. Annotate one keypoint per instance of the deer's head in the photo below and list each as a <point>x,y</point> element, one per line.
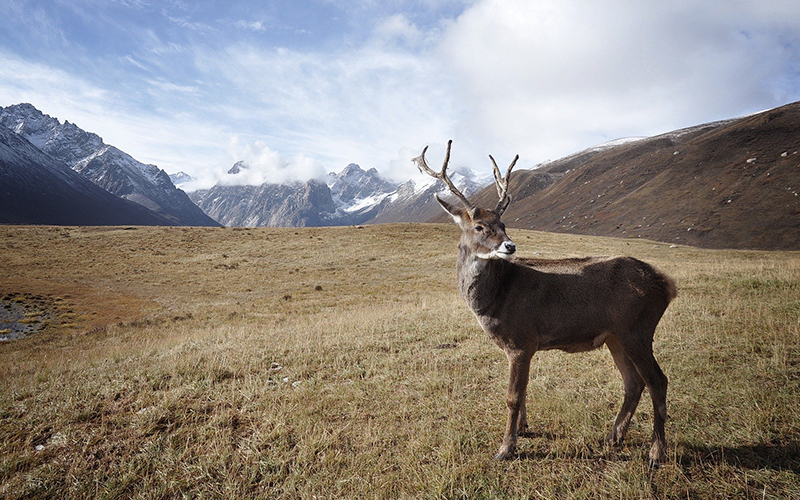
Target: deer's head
<point>482,232</point>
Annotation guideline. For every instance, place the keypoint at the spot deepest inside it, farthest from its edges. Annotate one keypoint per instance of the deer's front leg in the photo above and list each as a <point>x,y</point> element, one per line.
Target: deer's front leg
<point>519,367</point>
<point>522,421</point>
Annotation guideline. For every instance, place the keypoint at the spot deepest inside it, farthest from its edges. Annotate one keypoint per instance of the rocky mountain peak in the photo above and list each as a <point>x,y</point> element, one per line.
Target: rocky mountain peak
<point>38,189</point>
<point>238,167</point>
<point>108,167</point>
<point>353,183</point>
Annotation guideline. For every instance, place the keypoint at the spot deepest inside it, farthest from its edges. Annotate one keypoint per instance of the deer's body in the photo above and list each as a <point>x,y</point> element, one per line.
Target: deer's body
<point>567,304</point>
<point>528,305</point>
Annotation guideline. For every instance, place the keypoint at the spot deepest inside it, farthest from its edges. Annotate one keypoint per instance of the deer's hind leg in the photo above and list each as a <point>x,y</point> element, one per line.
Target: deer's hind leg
<point>634,385</point>
<point>641,353</point>
<point>519,364</point>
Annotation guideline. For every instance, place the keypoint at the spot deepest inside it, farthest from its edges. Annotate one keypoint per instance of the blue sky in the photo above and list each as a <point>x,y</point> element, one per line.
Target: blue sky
<point>298,88</point>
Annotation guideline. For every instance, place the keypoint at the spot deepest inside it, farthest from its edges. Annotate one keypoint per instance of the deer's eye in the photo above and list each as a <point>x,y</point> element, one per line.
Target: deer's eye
<point>479,228</point>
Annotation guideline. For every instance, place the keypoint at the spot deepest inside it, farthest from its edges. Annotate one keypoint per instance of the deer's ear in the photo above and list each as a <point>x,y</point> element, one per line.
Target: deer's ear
<point>459,215</point>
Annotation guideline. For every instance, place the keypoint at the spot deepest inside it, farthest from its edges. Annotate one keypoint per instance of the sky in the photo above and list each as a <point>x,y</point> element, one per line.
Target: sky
<point>298,88</point>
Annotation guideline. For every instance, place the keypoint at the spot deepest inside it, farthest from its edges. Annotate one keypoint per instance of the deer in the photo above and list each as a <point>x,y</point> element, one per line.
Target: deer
<point>527,305</point>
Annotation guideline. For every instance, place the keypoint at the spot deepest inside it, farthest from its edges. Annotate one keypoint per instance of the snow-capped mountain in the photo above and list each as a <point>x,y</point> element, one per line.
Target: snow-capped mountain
<point>108,167</point>
<point>352,196</point>
<point>180,179</point>
<point>299,204</point>
<point>414,202</point>
<point>353,185</point>
<point>37,189</point>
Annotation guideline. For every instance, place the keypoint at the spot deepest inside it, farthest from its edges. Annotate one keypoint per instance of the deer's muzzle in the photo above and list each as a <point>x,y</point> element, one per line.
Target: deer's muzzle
<point>506,249</point>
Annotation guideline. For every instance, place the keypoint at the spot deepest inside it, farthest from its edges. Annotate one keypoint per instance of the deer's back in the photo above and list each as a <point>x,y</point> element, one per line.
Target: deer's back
<point>572,301</point>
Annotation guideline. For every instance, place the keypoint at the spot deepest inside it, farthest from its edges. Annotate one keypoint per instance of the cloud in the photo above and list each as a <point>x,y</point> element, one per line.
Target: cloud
<point>259,164</point>
<point>267,165</point>
<point>161,85</point>
<point>258,26</point>
<point>353,105</point>
<point>190,25</point>
<point>62,93</point>
<point>397,28</point>
<point>542,79</point>
<point>548,78</point>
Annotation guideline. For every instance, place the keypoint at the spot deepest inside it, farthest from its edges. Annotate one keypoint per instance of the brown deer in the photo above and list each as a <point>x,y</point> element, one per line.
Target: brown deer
<point>529,305</point>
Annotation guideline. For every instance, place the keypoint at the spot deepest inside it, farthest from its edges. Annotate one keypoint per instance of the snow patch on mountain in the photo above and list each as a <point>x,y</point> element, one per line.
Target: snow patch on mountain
<point>365,203</point>
<point>181,179</point>
<point>355,190</point>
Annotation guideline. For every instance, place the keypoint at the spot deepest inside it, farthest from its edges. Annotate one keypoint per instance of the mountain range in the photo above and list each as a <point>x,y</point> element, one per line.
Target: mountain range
<point>106,166</point>
<point>727,184</point>
<point>352,196</point>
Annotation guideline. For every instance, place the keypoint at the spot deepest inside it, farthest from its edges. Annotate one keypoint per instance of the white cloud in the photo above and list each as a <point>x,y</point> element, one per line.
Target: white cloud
<point>398,28</point>
<point>258,26</point>
<point>23,81</point>
<point>542,79</point>
<point>160,85</point>
<point>267,165</point>
<point>548,78</point>
<point>353,105</point>
<point>190,25</point>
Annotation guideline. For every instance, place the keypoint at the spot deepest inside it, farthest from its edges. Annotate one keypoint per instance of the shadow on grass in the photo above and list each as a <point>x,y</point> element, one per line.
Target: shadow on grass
<point>771,456</point>
<point>760,456</point>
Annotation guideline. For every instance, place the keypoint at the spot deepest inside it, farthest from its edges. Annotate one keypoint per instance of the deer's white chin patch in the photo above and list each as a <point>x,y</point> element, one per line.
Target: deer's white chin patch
<point>494,254</point>
<point>503,255</point>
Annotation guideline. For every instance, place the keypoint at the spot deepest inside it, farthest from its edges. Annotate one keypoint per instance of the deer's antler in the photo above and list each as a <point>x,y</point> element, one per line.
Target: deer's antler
<point>502,185</point>
<point>423,167</point>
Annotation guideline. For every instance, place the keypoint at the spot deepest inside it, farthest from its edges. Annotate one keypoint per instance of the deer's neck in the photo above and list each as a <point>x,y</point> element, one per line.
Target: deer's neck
<point>481,281</point>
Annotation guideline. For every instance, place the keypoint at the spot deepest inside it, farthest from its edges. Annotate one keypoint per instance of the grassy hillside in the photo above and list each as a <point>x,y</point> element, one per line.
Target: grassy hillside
<point>730,184</point>
<point>341,363</point>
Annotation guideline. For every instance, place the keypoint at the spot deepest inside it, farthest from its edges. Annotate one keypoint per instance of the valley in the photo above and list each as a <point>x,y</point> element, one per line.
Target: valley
<point>341,363</point>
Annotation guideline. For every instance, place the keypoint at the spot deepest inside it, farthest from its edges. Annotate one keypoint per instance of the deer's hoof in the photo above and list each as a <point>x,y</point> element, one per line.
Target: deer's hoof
<point>504,455</point>
<point>658,455</point>
<point>614,439</point>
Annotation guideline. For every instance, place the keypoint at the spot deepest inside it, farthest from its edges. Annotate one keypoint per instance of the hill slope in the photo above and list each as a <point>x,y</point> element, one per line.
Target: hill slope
<point>728,184</point>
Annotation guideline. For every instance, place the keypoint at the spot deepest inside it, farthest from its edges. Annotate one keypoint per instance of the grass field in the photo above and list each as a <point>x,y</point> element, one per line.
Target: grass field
<point>341,363</point>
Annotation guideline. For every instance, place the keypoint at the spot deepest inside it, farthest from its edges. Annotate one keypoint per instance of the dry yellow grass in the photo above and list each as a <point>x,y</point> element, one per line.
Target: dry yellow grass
<point>341,363</point>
